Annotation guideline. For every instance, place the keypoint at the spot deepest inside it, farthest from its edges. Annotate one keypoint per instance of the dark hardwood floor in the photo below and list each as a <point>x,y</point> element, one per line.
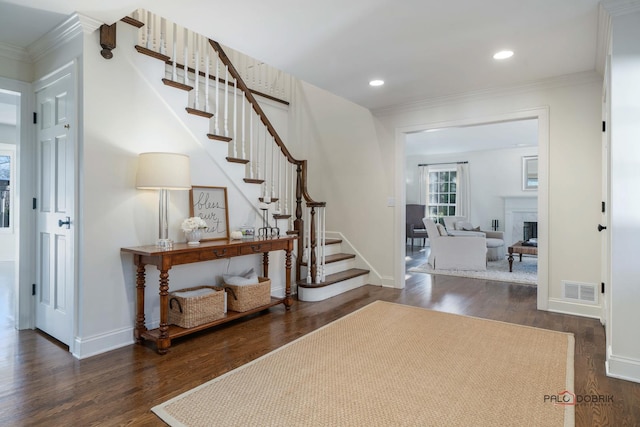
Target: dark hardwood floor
<point>42,384</point>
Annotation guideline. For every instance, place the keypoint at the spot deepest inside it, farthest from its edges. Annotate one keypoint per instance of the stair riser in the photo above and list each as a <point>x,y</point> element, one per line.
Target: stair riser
<point>320,294</point>
<point>335,248</point>
<point>334,267</point>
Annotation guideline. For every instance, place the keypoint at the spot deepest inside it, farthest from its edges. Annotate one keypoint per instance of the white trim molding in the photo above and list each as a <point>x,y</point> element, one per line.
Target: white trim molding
<point>567,80</point>
<point>623,368</point>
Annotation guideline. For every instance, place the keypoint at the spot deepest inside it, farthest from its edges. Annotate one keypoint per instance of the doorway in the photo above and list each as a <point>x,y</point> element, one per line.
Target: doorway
<point>9,232</point>
<point>542,117</point>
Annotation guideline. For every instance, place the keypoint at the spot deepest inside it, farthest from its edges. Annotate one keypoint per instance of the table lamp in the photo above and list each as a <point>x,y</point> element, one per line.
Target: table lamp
<point>164,172</point>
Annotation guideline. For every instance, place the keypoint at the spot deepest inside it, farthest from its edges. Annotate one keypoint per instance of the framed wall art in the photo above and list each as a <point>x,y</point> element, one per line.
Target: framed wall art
<point>210,204</point>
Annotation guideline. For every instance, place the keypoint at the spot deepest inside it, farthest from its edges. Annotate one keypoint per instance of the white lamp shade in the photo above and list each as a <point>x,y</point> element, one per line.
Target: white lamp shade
<point>168,171</point>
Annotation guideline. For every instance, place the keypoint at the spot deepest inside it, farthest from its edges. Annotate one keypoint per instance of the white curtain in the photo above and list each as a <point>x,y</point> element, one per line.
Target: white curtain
<point>424,185</point>
<point>463,199</point>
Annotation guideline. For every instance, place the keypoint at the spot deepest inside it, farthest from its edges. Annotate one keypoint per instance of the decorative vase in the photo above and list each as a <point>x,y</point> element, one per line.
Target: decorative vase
<point>193,236</point>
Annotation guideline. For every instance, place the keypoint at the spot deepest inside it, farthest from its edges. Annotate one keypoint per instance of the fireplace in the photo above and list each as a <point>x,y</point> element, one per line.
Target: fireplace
<point>529,230</point>
<point>517,211</point>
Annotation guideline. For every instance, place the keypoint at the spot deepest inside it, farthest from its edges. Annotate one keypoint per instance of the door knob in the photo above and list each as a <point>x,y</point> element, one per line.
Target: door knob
<point>67,223</point>
<point>601,227</point>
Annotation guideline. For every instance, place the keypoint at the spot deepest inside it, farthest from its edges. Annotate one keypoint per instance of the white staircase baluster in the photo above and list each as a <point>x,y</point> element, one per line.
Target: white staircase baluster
<point>174,57</point>
<point>196,76</point>
<point>251,161</point>
<point>185,52</point>
<point>226,101</point>
<point>273,159</point>
<point>257,146</point>
<point>280,183</point>
<point>163,36</point>
<point>318,247</point>
<point>264,175</point>
<point>207,105</point>
<point>216,115</point>
<point>235,120</point>
<point>244,102</point>
<point>323,237</point>
<point>149,26</point>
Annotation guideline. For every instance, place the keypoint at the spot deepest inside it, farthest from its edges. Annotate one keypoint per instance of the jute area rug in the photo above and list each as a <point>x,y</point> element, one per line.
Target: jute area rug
<point>525,272</point>
<point>393,365</point>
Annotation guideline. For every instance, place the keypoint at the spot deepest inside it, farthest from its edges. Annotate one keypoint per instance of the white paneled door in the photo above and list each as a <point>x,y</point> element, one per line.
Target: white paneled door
<point>55,208</point>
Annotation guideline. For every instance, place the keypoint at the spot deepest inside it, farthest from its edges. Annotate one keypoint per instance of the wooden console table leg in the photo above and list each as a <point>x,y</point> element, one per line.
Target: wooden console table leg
<point>140,285</point>
<point>164,342</point>
<point>265,264</point>
<point>288,301</point>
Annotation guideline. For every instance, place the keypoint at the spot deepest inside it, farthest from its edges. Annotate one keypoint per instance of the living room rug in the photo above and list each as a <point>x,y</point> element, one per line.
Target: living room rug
<point>525,272</point>
<point>390,364</point>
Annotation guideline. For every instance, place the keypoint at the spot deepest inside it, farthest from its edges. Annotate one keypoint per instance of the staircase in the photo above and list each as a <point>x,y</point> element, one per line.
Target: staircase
<point>218,93</point>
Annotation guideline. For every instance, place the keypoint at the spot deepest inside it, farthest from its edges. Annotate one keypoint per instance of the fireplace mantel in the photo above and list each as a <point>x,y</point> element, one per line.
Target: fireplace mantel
<point>517,210</point>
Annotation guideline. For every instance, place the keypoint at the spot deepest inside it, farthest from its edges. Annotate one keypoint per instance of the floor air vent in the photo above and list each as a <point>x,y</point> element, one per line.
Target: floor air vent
<point>583,292</point>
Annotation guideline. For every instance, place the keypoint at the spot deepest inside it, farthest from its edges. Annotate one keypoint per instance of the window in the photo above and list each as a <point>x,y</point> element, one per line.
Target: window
<point>441,194</point>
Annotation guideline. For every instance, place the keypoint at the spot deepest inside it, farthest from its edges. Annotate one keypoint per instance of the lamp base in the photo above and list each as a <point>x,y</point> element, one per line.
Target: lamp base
<point>165,244</point>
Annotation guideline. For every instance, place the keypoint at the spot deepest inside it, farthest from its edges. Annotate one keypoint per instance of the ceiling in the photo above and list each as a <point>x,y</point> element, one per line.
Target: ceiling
<point>422,48</point>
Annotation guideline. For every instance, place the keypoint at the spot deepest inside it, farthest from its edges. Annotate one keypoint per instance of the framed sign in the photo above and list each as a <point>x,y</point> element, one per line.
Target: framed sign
<point>210,204</point>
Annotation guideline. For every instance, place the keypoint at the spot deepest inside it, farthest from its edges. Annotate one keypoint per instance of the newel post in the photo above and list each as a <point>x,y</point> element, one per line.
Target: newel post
<point>298,223</point>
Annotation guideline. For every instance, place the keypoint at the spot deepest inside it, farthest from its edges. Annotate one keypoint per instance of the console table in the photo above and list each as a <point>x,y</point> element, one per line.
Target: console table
<point>181,253</point>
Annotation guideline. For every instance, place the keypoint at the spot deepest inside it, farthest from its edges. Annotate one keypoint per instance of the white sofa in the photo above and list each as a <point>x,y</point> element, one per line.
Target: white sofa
<point>459,226</point>
<point>455,253</point>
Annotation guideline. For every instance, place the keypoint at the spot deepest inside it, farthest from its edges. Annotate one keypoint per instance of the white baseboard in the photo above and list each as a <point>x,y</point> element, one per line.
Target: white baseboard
<point>623,368</point>
<point>566,307</point>
<point>92,346</point>
<point>388,282</point>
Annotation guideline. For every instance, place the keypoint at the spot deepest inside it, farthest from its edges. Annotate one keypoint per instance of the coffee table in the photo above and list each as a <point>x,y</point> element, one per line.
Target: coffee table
<point>519,248</point>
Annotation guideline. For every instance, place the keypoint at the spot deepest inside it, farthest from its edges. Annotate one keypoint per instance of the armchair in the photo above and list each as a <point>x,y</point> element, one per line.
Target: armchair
<point>455,253</point>
<point>415,227</point>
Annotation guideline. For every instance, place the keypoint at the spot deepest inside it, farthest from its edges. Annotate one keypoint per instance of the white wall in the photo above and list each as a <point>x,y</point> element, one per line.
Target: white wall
<point>574,167</point>
<point>124,115</point>
<point>487,187</point>
<point>348,169</point>
<point>623,354</point>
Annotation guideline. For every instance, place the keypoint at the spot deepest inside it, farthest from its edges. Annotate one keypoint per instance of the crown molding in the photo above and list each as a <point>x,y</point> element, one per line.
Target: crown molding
<point>621,7</point>
<point>73,26</point>
<point>567,80</point>
<point>16,53</point>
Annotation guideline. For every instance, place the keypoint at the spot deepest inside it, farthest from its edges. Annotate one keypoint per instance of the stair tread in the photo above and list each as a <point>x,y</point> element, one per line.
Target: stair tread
<point>335,258</point>
<point>332,241</point>
<point>330,279</point>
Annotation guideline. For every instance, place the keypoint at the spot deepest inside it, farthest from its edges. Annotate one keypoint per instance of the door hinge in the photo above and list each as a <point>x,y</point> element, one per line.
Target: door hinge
<point>35,117</point>
<point>33,289</point>
<point>604,205</point>
<point>602,287</point>
<point>604,126</point>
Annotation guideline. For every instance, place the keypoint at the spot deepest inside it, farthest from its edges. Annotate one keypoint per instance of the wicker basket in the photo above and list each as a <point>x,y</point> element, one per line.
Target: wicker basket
<point>193,311</point>
<point>246,297</point>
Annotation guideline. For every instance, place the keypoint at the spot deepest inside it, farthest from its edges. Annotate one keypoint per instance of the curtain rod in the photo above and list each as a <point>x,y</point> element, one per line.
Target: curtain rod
<point>444,163</point>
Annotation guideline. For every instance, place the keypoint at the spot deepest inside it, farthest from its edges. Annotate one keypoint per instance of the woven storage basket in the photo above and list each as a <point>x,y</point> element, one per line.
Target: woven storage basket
<point>246,297</point>
<point>193,311</point>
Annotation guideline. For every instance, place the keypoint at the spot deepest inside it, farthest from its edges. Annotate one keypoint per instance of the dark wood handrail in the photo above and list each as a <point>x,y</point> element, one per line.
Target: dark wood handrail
<point>263,117</point>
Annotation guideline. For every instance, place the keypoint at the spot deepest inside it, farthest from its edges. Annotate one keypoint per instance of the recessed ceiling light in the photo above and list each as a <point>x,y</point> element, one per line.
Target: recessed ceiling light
<point>376,82</point>
<point>503,54</point>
